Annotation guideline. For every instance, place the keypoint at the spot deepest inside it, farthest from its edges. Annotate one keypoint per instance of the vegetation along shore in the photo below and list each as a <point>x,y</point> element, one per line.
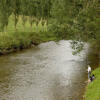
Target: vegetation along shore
<point>93,88</point>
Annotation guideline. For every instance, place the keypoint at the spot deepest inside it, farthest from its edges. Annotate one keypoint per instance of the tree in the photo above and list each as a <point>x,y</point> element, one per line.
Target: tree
<point>5,12</point>
<point>16,10</point>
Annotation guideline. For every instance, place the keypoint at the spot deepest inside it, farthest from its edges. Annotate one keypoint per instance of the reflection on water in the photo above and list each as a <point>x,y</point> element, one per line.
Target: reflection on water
<point>46,72</point>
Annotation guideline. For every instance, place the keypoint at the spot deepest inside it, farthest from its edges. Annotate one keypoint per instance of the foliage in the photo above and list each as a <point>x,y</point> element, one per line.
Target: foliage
<point>5,11</point>
<point>67,19</point>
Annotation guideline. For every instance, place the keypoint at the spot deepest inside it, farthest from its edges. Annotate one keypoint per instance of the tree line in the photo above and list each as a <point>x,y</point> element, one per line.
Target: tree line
<point>76,18</point>
<point>32,8</point>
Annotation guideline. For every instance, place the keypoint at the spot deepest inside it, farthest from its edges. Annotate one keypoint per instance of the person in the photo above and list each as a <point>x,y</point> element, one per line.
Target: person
<point>92,78</point>
<point>89,71</point>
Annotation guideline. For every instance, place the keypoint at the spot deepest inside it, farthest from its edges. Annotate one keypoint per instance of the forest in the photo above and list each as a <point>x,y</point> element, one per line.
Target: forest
<point>45,20</point>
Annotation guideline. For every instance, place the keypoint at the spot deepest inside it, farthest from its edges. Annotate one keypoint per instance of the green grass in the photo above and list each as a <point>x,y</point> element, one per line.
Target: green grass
<point>93,89</point>
<point>12,40</point>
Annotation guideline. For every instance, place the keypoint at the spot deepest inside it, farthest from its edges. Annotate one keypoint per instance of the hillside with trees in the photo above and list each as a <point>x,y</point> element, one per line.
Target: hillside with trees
<point>63,19</point>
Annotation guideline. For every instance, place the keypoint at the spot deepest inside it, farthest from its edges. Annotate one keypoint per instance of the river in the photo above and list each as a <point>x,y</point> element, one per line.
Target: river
<point>48,71</point>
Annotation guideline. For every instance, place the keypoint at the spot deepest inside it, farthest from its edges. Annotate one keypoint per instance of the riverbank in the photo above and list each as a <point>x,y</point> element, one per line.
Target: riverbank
<point>23,36</point>
<point>15,41</point>
<point>93,89</point>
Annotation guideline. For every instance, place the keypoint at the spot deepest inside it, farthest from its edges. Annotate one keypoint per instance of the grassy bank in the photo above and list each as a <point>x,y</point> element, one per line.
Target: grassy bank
<point>93,89</point>
<point>13,41</point>
<point>24,36</point>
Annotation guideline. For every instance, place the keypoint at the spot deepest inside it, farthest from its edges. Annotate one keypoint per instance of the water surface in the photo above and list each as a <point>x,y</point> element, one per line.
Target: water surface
<point>46,72</point>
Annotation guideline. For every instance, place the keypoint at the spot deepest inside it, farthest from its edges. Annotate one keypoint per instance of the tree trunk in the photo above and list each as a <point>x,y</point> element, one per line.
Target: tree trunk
<point>31,23</point>
<point>15,21</point>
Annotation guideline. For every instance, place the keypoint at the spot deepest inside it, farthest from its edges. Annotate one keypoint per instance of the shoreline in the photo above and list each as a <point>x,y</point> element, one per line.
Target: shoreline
<point>92,90</point>
<point>13,50</point>
<point>14,42</point>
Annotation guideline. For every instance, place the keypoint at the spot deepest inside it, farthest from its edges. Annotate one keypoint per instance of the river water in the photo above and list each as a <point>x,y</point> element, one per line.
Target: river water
<point>48,71</point>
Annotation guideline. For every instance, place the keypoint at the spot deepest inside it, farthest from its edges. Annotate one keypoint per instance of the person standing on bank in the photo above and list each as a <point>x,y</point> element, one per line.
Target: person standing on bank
<point>89,71</point>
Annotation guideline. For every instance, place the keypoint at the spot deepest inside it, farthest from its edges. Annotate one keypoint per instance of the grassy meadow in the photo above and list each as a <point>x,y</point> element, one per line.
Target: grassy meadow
<point>24,36</point>
<point>93,89</point>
